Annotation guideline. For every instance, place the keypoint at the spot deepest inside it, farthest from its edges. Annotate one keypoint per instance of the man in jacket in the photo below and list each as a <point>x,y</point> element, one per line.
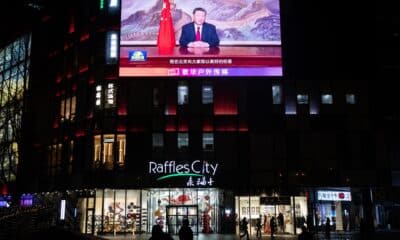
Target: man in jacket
<point>199,33</point>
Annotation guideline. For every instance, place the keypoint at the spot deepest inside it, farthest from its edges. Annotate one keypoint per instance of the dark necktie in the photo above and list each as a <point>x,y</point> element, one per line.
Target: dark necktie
<point>198,38</point>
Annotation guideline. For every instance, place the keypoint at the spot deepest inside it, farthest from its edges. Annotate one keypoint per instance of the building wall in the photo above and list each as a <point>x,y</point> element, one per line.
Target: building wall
<point>257,143</point>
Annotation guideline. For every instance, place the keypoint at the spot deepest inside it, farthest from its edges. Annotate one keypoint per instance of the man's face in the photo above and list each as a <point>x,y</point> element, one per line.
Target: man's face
<point>199,17</point>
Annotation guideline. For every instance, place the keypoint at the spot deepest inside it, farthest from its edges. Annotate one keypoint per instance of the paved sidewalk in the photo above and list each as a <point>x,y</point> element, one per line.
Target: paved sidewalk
<point>200,237</point>
<point>379,235</point>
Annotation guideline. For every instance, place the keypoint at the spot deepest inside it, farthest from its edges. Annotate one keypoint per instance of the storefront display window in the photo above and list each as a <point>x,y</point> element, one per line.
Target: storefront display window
<point>249,207</point>
<point>126,211</point>
<point>82,214</point>
<point>119,208</point>
<point>159,199</point>
<point>265,208</point>
<point>144,211</point>
<point>300,211</point>
<point>208,209</point>
<point>98,210</point>
<point>133,210</point>
<point>108,211</point>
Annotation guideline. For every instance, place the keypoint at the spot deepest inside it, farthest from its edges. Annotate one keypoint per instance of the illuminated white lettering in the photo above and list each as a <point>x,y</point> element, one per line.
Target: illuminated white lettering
<point>214,168</point>
<point>160,168</point>
<point>178,168</point>
<point>186,167</point>
<point>194,168</point>
<point>152,167</point>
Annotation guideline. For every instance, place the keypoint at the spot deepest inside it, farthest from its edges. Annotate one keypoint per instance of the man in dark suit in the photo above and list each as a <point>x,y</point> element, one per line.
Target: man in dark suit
<point>199,33</point>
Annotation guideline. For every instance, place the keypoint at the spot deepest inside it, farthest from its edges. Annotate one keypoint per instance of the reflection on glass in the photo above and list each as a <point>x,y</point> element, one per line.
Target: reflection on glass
<point>327,99</point>
<point>302,99</point>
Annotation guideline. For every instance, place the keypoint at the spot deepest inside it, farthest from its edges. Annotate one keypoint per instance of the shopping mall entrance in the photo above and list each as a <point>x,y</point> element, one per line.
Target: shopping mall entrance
<point>121,211</point>
<point>176,214</point>
<point>170,206</point>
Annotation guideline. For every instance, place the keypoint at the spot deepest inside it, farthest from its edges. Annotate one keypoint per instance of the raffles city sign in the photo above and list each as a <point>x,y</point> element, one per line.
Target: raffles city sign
<point>197,173</point>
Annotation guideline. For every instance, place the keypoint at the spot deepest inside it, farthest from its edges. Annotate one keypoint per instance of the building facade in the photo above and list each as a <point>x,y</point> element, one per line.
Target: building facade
<point>129,152</point>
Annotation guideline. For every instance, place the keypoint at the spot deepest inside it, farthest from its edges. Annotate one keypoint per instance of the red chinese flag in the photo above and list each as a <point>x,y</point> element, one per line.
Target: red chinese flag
<point>166,33</point>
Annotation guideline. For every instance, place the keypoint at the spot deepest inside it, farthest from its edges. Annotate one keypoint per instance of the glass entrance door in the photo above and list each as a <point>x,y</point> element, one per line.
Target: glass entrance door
<point>176,214</point>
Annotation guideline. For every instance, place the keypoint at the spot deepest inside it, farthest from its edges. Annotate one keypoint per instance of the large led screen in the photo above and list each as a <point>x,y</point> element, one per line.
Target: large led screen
<point>237,38</point>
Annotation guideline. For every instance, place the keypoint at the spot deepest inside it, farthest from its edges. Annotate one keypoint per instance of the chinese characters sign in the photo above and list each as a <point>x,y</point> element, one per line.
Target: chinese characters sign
<point>334,196</point>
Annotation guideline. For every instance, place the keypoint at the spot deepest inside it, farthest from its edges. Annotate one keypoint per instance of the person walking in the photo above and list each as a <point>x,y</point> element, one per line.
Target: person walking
<point>258,227</point>
<point>328,228</point>
<point>158,234</point>
<point>272,224</point>
<point>185,232</point>
<point>281,222</point>
<point>244,228</point>
<point>305,234</point>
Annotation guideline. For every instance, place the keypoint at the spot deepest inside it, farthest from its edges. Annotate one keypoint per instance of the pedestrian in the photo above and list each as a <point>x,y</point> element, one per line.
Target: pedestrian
<point>158,234</point>
<point>363,230</point>
<point>281,222</point>
<point>258,227</point>
<point>272,224</point>
<point>185,232</point>
<point>328,229</point>
<point>266,224</point>
<point>244,228</point>
<point>302,221</point>
<point>305,234</point>
<point>310,224</point>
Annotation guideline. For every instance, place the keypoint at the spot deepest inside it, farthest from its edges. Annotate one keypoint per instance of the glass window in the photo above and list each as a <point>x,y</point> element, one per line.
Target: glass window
<point>183,140</point>
<point>109,210</point>
<point>62,109</point>
<point>207,94</point>
<point>276,94</point>
<point>121,141</point>
<point>327,99</point>
<point>68,108</point>
<point>120,211</point>
<point>302,99</point>
<point>103,155</point>
<point>208,141</point>
<point>98,210</point>
<point>158,140</point>
<point>133,210</point>
<point>73,107</point>
<point>97,149</point>
<point>108,152</point>
<point>350,99</point>
<point>183,94</point>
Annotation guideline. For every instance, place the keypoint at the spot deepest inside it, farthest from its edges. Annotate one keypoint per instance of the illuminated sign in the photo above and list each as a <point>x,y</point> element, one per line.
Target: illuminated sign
<point>62,210</point>
<point>334,196</point>
<point>199,173</point>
